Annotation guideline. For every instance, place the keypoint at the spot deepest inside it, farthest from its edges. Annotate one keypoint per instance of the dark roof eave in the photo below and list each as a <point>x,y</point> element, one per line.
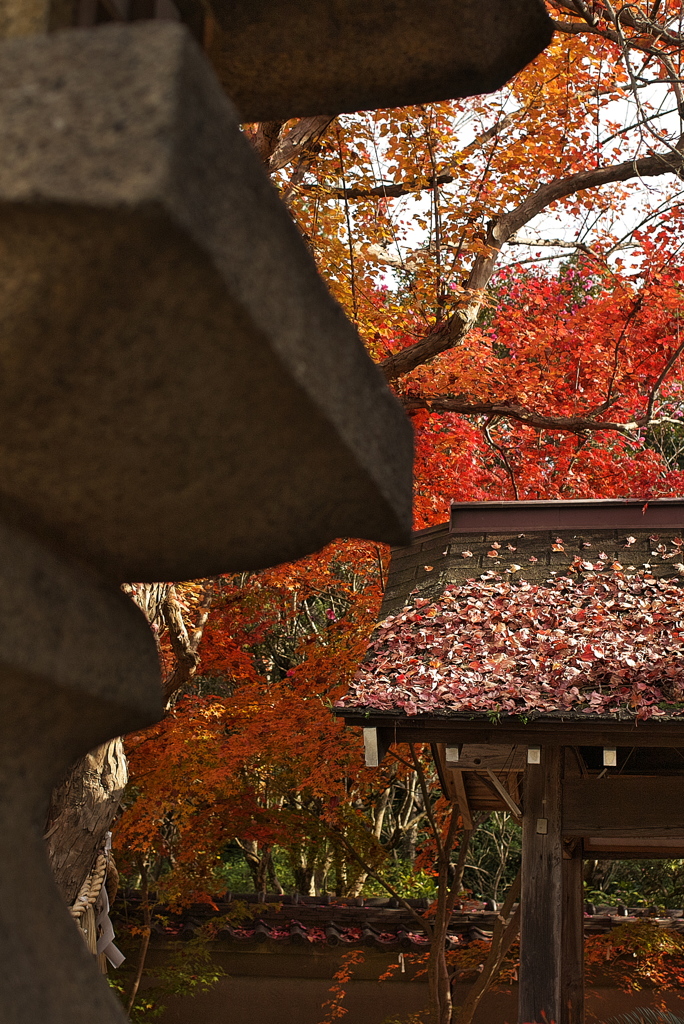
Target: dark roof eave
<point>563,729</point>
<point>591,513</point>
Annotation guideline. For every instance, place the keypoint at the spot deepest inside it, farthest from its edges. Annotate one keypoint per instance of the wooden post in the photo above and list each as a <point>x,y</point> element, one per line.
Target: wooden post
<point>541,899</point>
<point>572,937</point>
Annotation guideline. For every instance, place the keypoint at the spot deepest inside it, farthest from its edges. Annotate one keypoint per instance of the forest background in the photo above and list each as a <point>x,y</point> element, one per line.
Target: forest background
<point>514,264</point>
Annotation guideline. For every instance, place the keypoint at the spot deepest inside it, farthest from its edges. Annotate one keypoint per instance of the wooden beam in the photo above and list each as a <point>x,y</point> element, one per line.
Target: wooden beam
<point>499,788</point>
<point>541,899</point>
<point>583,514</point>
<point>636,806</point>
<point>480,756</point>
<point>584,732</point>
<point>514,786</point>
<point>572,936</point>
<point>445,776</point>
<point>629,848</point>
<point>375,746</point>
<point>462,798</point>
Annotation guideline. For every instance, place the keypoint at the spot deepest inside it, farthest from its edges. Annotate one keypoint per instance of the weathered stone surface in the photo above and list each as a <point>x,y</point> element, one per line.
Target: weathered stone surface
<point>77,665</point>
<point>23,17</point>
<point>286,58</point>
<point>179,394</point>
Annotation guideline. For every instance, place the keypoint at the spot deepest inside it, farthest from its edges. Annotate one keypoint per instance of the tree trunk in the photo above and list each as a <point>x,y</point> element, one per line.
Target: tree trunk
<point>304,877</point>
<point>449,887</point>
<point>260,864</point>
<point>83,807</point>
<point>505,932</point>
<point>321,871</point>
<point>81,812</point>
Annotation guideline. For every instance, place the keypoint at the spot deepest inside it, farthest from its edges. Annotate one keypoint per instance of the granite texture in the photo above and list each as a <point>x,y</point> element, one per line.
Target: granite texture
<point>179,394</point>
<point>23,17</point>
<point>286,58</point>
<point>78,664</point>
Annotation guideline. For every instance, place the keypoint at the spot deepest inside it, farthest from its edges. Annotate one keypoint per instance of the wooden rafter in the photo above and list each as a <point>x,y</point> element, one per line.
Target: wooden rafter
<point>495,782</point>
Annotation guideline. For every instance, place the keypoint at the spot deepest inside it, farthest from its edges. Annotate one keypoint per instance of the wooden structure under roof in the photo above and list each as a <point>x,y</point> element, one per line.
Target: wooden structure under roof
<point>583,783</point>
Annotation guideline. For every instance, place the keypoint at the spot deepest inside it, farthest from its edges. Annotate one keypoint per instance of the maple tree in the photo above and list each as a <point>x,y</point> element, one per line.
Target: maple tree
<point>520,382</point>
<point>258,757</point>
<point>635,956</point>
<point>249,752</point>
<point>83,807</point>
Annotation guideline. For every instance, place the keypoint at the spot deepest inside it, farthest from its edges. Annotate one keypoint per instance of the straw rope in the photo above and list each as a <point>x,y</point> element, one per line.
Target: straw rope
<point>90,889</point>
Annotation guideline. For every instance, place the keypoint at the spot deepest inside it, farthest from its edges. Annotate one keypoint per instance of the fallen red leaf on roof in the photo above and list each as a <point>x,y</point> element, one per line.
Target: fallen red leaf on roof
<point>603,643</point>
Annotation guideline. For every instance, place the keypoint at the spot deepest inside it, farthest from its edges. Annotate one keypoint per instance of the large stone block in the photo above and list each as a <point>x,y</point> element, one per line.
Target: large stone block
<point>287,58</point>
<point>23,17</point>
<point>78,664</point>
<point>179,394</point>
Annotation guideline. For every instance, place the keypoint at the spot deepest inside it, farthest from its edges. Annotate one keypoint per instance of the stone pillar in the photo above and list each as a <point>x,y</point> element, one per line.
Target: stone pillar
<point>77,665</point>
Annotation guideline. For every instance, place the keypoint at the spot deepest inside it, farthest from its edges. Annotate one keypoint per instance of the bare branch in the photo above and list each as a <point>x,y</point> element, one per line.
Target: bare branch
<point>503,455</point>
<point>418,768</point>
<point>553,243</point>
<point>569,27</point>
<point>422,922</point>
<point>505,932</point>
<point>661,377</point>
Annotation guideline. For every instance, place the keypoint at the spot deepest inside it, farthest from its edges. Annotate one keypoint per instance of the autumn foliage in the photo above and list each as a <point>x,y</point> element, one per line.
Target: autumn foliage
<point>563,349</point>
<point>256,754</point>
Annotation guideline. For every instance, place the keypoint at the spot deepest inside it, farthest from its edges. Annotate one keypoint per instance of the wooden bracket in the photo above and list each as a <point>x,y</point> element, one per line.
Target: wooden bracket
<point>495,783</point>
<point>462,799</point>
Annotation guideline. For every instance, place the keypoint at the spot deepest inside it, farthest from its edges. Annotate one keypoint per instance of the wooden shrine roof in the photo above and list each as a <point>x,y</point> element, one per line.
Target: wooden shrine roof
<point>571,623</point>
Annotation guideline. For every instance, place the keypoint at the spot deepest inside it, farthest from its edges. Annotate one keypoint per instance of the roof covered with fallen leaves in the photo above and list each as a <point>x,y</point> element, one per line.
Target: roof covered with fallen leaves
<point>595,628</point>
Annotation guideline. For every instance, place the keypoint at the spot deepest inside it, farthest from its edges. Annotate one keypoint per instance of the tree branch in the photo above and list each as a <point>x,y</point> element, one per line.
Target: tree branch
<point>560,188</point>
<point>395,191</point>
<point>552,243</point>
<point>185,646</point>
<point>503,455</point>
<point>266,138</point>
<point>406,188</point>
<point>529,418</point>
<point>505,932</point>
<point>422,782</point>
<point>453,330</point>
<point>422,922</point>
<point>299,140</point>
<point>661,377</point>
